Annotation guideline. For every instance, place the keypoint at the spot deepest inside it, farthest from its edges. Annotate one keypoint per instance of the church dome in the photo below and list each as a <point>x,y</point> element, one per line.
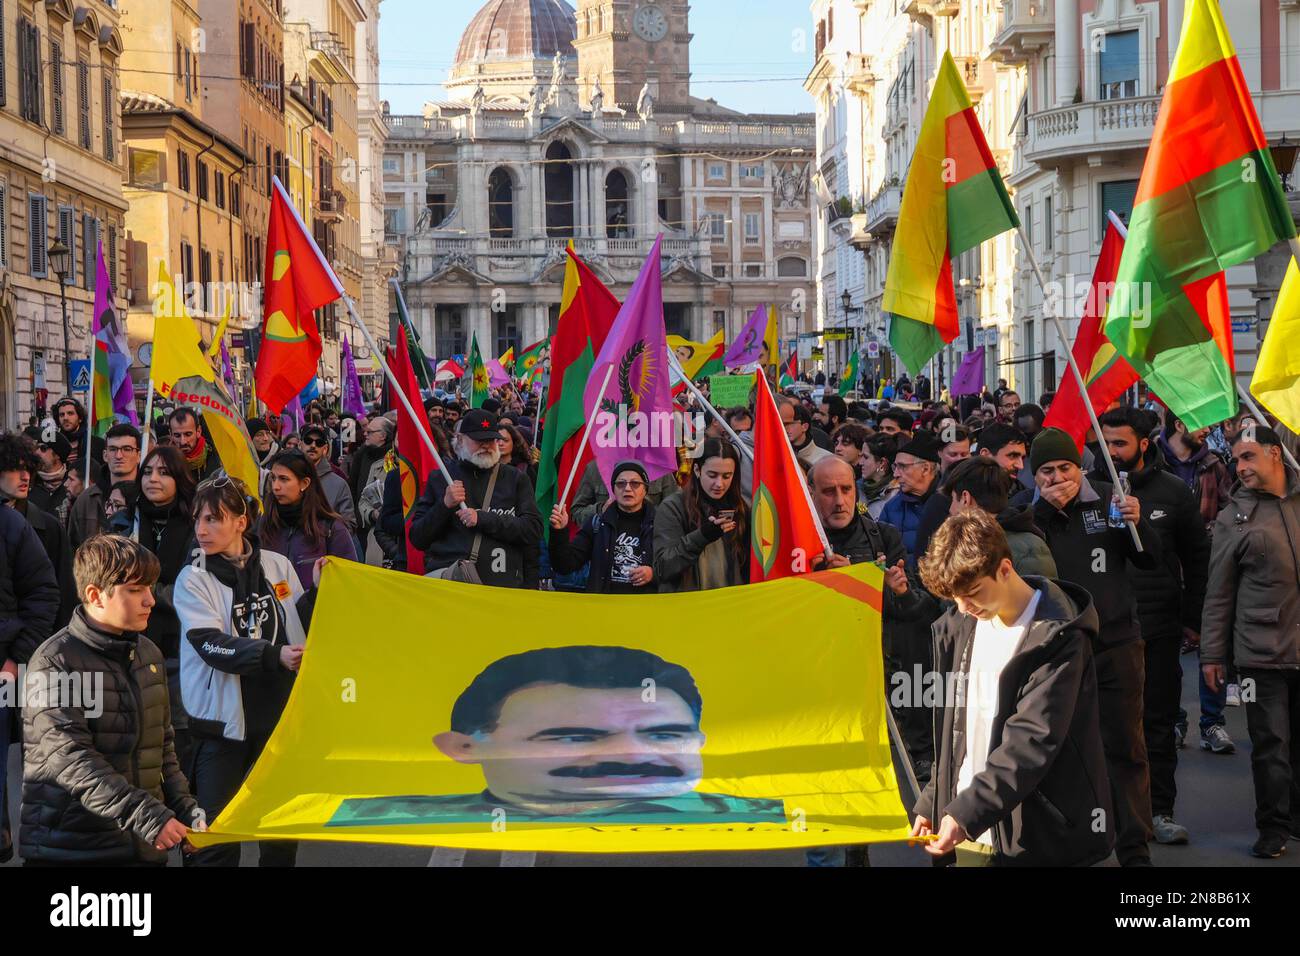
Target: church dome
<point>507,30</point>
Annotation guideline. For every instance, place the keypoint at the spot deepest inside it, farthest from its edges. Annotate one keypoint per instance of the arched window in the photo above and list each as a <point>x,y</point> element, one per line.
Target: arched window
<point>792,267</point>
<point>618,209</point>
<point>501,205</point>
<point>559,191</point>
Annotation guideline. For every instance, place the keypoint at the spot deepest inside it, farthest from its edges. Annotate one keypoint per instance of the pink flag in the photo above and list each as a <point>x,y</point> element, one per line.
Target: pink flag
<point>633,407</point>
<point>747,349</point>
<point>497,374</point>
<point>352,399</point>
<point>970,376</point>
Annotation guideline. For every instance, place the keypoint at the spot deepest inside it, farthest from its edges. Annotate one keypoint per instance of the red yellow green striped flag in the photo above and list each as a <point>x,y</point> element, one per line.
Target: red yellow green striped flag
<point>1209,199</point>
<point>954,200</point>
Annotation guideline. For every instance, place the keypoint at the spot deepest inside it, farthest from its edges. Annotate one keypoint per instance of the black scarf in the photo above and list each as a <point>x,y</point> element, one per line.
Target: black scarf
<point>167,532</point>
<point>254,609</point>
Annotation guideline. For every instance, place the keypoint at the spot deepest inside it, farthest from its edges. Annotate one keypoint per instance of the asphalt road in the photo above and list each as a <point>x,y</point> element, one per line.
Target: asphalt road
<point>1216,803</point>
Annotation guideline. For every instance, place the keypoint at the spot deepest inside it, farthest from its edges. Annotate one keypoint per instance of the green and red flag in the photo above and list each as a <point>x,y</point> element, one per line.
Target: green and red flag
<point>480,378</point>
<point>954,200</point>
<point>296,281</point>
<point>587,313</point>
<point>413,344</point>
<point>411,456</point>
<point>785,534</point>
<point>1209,199</point>
<point>529,363</point>
<point>849,377</point>
<point>1104,370</point>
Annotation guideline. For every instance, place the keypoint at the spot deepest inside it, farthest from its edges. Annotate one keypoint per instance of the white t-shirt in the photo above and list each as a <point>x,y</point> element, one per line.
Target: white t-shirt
<point>993,646</point>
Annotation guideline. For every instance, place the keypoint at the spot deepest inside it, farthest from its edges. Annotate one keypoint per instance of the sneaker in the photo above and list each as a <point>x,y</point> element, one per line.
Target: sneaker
<point>1234,695</point>
<point>1168,832</point>
<point>1180,734</point>
<point>1269,846</point>
<point>1217,740</point>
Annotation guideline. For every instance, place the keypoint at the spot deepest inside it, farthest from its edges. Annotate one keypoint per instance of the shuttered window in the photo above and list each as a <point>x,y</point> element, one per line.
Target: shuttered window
<point>68,236</point>
<point>37,230</point>
<point>83,103</point>
<point>58,125</point>
<point>110,101</point>
<point>89,242</point>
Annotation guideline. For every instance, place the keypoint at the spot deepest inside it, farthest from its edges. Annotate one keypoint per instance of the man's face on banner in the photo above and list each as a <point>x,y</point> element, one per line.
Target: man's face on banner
<point>572,749</point>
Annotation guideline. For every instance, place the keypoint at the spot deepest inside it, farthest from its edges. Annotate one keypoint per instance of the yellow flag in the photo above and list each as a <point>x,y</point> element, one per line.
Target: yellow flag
<point>699,359</point>
<point>733,742</point>
<point>214,349</point>
<point>1277,372</point>
<point>771,345</point>
<point>226,426</point>
<point>177,351</point>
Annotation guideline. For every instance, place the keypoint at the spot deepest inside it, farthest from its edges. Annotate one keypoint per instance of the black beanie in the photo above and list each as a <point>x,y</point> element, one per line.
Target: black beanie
<point>1052,444</point>
<point>922,445</point>
<point>629,465</point>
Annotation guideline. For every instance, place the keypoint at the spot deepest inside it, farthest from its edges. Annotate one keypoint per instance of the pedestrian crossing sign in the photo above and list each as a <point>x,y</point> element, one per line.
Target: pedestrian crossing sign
<point>79,370</point>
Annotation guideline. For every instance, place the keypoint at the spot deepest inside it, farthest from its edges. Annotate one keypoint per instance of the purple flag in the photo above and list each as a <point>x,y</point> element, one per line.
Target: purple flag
<point>747,349</point>
<point>497,374</point>
<point>110,338</point>
<point>291,417</point>
<point>970,376</point>
<point>228,373</point>
<point>634,411</point>
<point>352,400</point>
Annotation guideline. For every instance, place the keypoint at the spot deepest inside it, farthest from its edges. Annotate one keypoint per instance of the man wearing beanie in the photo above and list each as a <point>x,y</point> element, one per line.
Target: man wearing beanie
<point>263,440</point>
<point>618,540</point>
<point>917,469</point>
<point>1072,511</point>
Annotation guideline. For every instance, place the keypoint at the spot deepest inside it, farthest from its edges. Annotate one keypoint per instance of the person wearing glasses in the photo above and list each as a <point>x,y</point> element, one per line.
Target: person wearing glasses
<point>916,466</point>
<point>1008,406</point>
<point>619,541</point>
<point>242,642</point>
<point>121,456</point>
<point>316,446</point>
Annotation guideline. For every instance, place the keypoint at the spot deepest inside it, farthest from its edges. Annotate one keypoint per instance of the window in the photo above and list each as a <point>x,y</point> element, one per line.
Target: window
<point>219,182</point>
<point>235,191</point>
<point>180,57</point>
<point>392,166</point>
<point>37,235</point>
<point>752,172</point>
<point>717,171</point>
<point>1031,353</point>
<point>394,221</point>
<point>719,272</point>
<point>187,268</point>
<point>110,107</point>
<point>201,169</point>
<point>30,94</point>
<point>1049,225</point>
<point>183,170</point>
<point>89,245</point>
<point>189,76</point>
<point>68,236</point>
<point>111,255</point>
<point>449,330</point>
<point>266,171</point>
<point>205,276</point>
<point>717,226</point>
<point>83,104</point>
<point>57,124</point>
<point>753,270</point>
<point>4,222</point>
<point>1117,197</point>
<point>1118,65</point>
<point>1029,222</point>
<point>719,320</point>
<point>792,267</point>
<point>753,228</point>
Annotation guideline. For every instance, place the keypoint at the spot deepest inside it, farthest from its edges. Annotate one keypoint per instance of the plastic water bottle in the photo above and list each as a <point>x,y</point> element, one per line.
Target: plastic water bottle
<point>1116,518</point>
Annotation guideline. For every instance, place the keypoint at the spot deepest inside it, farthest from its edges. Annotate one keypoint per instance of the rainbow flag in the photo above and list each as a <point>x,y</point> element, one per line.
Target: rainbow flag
<point>113,395</point>
<point>954,200</point>
<point>1209,199</point>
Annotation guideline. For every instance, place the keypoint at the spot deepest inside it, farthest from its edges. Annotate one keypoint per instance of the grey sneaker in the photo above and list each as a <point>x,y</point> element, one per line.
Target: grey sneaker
<point>1232,697</point>
<point>1168,832</point>
<point>1216,739</point>
<point>1180,735</point>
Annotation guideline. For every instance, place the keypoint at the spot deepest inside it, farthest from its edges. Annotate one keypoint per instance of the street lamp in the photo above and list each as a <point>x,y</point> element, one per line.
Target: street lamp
<point>846,300</point>
<point>57,255</point>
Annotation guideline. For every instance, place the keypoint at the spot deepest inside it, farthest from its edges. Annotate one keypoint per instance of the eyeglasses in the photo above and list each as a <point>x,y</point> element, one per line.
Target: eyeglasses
<point>122,450</point>
<point>629,485</point>
<point>903,466</point>
<point>317,442</point>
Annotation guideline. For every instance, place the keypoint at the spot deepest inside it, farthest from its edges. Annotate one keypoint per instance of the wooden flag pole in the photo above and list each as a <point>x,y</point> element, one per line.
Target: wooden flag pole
<point>1078,375</point>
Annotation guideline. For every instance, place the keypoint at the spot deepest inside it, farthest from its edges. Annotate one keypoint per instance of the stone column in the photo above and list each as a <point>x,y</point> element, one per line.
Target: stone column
<point>1069,49</point>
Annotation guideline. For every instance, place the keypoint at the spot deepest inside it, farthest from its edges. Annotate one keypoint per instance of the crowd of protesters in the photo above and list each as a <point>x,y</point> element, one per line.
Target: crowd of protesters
<point>1008,558</point>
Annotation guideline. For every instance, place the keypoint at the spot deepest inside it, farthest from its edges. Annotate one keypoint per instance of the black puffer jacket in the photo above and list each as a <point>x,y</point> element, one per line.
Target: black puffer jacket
<point>1171,595</point>
<point>29,592</point>
<point>511,526</point>
<point>100,780</point>
<point>59,550</point>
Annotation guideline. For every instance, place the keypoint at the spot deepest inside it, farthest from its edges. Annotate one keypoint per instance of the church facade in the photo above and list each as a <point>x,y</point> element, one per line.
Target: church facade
<point>566,125</point>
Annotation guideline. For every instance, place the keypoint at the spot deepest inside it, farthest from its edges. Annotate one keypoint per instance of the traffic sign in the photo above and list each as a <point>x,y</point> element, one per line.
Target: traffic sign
<point>873,349</point>
<point>79,369</point>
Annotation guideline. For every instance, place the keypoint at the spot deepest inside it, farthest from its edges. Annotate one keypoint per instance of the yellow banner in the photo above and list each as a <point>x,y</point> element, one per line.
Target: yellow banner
<point>592,730</point>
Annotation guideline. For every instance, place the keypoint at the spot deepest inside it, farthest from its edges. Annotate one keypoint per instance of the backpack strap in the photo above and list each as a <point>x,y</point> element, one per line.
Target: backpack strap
<point>487,503</point>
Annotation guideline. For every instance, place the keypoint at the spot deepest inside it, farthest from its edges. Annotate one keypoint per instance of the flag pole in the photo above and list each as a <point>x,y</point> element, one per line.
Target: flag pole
<point>90,409</point>
<point>1259,416</point>
<point>541,401</point>
<point>400,393</point>
<point>586,433</point>
<point>699,396</point>
<point>148,421</point>
<point>1078,375</point>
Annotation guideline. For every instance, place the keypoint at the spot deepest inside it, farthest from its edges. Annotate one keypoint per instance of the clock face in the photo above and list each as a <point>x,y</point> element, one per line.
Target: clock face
<point>650,24</point>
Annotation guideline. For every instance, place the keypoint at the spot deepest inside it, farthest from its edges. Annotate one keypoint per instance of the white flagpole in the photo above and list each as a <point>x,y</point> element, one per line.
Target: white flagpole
<point>690,386</point>
<point>1259,417</point>
<point>586,433</point>
<point>148,422</point>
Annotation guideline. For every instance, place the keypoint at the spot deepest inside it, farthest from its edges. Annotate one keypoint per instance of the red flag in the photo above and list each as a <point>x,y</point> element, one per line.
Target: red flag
<point>786,535</point>
<point>414,461</point>
<point>1107,373</point>
<point>296,281</point>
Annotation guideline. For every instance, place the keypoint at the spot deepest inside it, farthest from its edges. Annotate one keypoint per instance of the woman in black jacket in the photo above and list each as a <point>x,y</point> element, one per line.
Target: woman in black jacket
<point>618,541</point>
<point>702,532</point>
<point>162,520</point>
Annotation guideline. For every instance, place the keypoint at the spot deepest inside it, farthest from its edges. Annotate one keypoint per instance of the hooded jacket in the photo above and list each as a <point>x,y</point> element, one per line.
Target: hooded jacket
<point>1045,778</point>
<point>100,783</point>
<point>511,527</point>
<point>1252,602</point>
<point>29,591</point>
<point>234,622</point>
<point>1029,551</point>
<point>1090,553</point>
<point>1170,595</point>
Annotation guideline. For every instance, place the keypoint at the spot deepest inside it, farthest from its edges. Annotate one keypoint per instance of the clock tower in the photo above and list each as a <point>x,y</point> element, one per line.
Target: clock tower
<point>624,44</point>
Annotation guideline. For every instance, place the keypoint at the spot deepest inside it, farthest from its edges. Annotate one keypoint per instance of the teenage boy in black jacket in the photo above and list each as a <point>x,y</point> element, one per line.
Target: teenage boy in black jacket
<point>1072,511</point>
<point>1020,770</point>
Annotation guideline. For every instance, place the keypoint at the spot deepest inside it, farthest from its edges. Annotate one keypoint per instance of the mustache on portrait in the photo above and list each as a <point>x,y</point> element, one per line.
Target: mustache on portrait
<point>610,769</point>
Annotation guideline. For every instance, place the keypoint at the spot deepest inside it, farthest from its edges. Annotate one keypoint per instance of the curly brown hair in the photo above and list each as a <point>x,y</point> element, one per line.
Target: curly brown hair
<point>966,548</point>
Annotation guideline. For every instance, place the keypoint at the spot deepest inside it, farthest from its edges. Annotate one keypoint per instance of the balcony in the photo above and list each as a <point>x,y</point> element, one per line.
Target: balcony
<point>1027,26</point>
<point>977,73</point>
<point>329,206</point>
<point>861,74</point>
<point>929,9</point>
<point>1071,133</point>
<point>527,259</point>
<point>882,211</point>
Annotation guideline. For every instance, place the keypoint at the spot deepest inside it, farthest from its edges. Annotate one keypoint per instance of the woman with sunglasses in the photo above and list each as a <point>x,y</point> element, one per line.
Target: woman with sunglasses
<point>299,522</point>
<point>242,646</point>
<point>702,531</point>
<point>619,541</point>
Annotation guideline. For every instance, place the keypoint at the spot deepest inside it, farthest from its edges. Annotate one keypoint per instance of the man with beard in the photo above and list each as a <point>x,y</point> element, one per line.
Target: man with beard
<point>565,732</point>
<point>187,435</point>
<point>1191,460</point>
<point>49,490</point>
<point>487,515</point>
<point>1169,601</point>
<point>316,446</point>
<point>71,417</point>
<point>264,442</point>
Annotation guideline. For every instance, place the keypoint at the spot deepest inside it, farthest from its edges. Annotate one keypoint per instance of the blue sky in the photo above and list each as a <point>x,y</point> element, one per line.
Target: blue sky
<point>745,54</point>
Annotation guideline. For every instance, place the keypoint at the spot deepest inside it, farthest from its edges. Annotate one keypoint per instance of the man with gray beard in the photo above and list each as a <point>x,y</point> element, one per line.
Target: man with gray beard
<point>487,514</point>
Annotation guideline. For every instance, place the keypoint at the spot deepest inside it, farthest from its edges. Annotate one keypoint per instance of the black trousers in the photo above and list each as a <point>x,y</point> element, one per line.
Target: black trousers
<point>1273,720</point>
<point>1120,676</point>
<point>909,655</point>
<point>1161,694</point>
<point>217,767</point>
